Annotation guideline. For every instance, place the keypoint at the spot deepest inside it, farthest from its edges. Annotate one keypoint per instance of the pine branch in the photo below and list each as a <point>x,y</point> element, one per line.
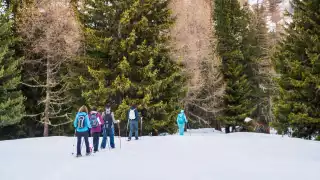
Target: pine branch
<point>59,124</point>
<point>200,119</point>
<point>204,109</point>
<point>34,86</point>
<point>32,115</point>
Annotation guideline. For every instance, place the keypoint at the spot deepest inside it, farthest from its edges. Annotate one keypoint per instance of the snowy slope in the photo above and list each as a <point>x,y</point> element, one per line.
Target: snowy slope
<point>199,155</point>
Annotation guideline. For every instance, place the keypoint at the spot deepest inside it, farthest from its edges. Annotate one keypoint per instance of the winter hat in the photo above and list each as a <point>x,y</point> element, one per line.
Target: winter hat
<point>182,111</point>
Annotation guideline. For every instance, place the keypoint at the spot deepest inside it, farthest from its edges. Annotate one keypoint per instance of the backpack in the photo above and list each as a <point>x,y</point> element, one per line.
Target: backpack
<point>181,118</point>
<point>81,119</point>
<point>94,120</point>
<point>132,114</point>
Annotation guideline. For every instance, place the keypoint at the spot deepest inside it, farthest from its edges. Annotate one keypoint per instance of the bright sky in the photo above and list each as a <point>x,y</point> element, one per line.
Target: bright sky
<point>254,1</point>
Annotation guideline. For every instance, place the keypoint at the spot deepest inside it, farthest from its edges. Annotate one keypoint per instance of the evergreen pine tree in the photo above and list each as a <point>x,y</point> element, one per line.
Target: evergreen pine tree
<point>230,30</point>
<point>128,60</point>
<point>297,62</point>
<point>260,65</point>
<point>11,99</point>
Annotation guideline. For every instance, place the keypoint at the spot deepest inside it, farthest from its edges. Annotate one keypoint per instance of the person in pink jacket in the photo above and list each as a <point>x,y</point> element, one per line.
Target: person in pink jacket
<point>96,122</point>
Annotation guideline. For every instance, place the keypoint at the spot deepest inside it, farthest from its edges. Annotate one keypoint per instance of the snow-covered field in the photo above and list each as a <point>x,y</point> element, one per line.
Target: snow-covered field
<point>199,155</point>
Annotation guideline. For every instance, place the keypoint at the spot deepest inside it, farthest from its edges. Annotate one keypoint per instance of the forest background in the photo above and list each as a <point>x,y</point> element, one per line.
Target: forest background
<point>220,60</point>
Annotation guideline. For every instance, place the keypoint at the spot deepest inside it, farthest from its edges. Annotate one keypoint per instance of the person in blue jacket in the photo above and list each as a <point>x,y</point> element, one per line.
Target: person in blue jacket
<point>133,120</point>
<point>181,120</point>
<point>82,125</point>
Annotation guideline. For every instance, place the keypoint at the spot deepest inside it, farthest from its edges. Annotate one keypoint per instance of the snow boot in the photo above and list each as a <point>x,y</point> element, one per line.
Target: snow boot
<point>79,155</point>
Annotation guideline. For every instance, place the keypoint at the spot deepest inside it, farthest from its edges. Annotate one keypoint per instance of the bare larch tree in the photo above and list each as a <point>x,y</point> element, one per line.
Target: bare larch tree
<point>192,36</point>
<point>52,37</point>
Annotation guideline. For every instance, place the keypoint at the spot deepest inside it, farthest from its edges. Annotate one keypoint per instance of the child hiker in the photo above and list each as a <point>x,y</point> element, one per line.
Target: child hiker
<point>96,122</point>
<point>181,120</point>
<point>82,125</point>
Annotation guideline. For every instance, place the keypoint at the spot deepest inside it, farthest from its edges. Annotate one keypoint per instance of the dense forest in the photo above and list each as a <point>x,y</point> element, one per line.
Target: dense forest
<point>58,55</point>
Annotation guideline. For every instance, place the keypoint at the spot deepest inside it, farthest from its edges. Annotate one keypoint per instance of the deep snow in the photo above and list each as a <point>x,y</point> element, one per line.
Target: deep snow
<point>200,155</point>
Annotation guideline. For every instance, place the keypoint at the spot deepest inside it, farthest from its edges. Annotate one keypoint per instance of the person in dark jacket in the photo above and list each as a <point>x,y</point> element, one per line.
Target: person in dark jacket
<point>82,125</point>
<point>108,128</point>
<point>133,121</point>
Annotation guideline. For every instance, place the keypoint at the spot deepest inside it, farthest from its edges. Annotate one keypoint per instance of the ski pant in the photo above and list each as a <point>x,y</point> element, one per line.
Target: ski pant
<point>181,129</point>
<point>108,132</point>
<point>86,141</point>
<point>133,127</point>
<point>95,136</point>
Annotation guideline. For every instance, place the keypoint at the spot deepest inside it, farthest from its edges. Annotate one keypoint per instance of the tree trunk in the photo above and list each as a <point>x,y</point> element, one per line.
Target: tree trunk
<point>47,102</point>
<point>227,129</point>
<point>233,128</point>
<point>30,131</point>
<point>218,125</point>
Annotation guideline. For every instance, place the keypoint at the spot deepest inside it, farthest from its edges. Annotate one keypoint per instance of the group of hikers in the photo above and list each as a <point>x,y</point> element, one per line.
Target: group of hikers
<point>93,123</point>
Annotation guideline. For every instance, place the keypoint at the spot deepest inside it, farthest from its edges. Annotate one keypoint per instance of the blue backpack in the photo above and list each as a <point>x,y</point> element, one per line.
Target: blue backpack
<point>94,120</point>
<point>181,118</point>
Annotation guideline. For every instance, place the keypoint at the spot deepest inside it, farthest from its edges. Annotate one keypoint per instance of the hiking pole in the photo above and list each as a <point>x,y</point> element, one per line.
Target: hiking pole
<point>119,133</point>
<point>188,127</point>
<point>74,135</point>
<point>141,126</point>
<point>127,128</point>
